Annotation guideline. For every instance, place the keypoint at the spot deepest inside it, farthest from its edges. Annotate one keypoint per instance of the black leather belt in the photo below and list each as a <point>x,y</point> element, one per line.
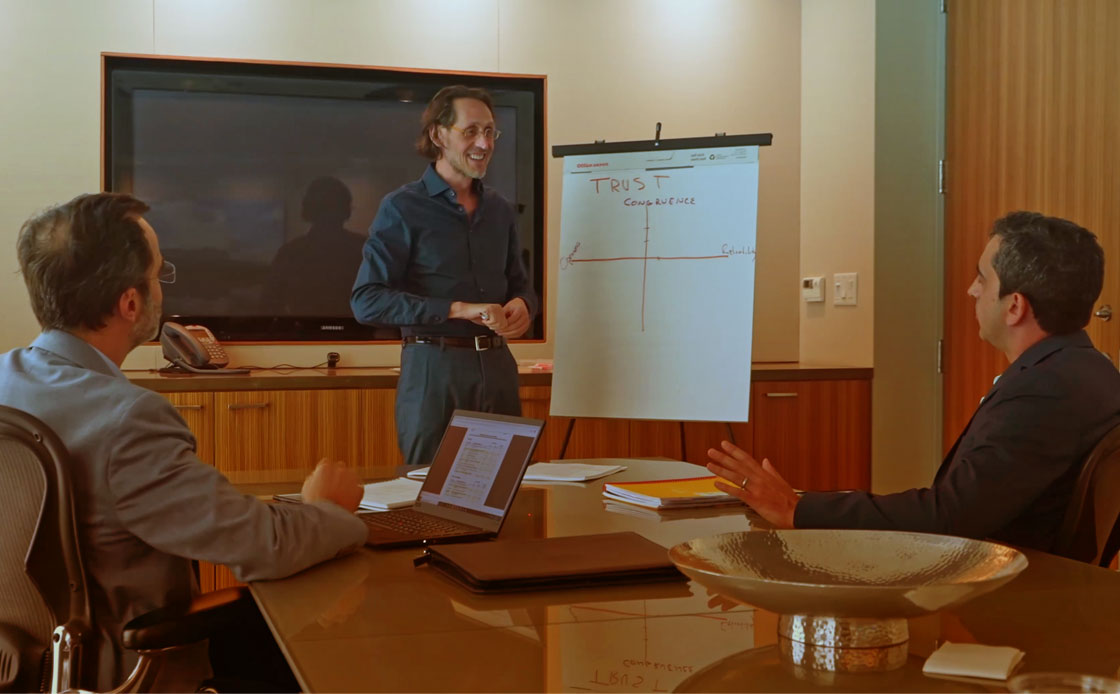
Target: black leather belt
<point>478,343</point>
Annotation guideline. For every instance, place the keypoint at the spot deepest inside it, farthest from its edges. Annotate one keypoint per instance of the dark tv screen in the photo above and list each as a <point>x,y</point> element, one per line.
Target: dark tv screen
<point>263,181</point>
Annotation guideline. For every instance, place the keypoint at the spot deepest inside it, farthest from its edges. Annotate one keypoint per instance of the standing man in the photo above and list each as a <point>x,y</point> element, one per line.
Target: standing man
<point>443,262</point>
<point>1011,473</point>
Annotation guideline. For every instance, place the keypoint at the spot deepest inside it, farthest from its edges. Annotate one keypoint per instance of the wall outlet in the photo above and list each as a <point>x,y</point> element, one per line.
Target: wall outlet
<point>812,289</point>
<point>845,288</point>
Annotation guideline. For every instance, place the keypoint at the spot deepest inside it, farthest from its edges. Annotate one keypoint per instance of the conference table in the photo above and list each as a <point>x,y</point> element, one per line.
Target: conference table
<point>371,621</point>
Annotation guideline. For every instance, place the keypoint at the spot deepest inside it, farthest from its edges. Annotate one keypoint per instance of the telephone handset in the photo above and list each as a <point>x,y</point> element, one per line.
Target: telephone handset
<point>194,348</point>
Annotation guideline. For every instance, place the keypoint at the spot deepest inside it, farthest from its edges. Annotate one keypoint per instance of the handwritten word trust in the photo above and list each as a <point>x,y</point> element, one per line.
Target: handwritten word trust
<point>608,184</point>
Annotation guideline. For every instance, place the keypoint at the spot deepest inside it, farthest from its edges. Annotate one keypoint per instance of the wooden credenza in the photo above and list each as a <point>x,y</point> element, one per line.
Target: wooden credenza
<point>268,429</point>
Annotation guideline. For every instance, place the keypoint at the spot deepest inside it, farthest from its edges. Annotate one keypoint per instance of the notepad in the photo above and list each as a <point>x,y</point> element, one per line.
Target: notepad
<point>382,496</point>
<point>973,660</point>
<point>377,496</point>
<point>680,493</point>
<point>551,472</point>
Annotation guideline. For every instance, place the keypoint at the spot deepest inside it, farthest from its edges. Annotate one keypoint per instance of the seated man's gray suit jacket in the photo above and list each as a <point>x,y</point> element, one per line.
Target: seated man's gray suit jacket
<point>147,505</point>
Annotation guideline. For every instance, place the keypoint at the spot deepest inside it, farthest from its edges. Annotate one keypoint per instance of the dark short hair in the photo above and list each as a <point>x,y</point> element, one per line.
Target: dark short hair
<point>1056,264</point>
<point>441,111</point>
<point>77,259</point>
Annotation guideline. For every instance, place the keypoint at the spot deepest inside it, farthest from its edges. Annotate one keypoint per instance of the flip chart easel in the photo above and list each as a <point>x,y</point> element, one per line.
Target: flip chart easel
<point>656,279</point>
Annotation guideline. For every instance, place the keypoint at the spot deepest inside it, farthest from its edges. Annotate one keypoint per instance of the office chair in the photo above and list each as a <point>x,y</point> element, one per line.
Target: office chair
<point>1091,529</point>
<point>46,628</point>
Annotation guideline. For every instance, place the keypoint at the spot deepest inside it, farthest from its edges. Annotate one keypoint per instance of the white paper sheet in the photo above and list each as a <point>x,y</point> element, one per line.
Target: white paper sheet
<point>655,302</point>
<point>382,496</point>
<point>550,472</point>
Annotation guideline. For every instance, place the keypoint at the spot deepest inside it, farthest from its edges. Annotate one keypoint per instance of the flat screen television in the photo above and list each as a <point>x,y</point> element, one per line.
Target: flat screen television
<point>263,180</point>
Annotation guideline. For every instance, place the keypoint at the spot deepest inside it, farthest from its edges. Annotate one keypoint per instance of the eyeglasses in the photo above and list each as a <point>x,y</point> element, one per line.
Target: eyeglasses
<point>166,273</point>
<point>471,132</point>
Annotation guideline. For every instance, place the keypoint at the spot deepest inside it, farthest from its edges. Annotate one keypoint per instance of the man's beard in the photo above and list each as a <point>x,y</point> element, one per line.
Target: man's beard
<point>147,327</point>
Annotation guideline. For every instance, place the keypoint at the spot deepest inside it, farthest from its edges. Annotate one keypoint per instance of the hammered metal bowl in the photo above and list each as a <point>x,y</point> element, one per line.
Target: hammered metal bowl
<point>847,573</point>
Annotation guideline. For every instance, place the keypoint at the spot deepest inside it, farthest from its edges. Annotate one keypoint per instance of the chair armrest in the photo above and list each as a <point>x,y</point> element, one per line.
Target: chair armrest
<point>184,624</point>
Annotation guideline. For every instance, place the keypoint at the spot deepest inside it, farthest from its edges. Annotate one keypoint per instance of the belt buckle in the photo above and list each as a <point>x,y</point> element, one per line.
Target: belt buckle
<point>478,343</point>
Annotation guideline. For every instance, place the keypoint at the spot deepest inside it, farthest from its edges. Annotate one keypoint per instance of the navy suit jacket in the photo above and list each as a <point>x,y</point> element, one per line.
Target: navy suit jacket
<point>1011,472</point>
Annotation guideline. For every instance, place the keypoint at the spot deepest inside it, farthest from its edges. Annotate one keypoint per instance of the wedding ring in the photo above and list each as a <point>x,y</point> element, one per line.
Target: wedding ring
<point>743,485</point>
<point>484,315</point>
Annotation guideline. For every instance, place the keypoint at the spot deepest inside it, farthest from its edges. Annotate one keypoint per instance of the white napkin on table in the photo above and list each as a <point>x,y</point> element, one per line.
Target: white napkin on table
<point>973,660</point>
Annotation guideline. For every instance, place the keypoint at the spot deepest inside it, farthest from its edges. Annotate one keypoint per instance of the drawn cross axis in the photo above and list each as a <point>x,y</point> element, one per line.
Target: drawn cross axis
<point>645,258</point>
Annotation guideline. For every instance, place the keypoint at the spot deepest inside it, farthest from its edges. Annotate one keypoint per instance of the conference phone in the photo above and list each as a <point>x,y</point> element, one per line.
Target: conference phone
<point>194,348</point>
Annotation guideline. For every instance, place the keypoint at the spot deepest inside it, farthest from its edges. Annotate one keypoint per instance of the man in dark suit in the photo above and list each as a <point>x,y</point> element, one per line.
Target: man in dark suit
<point>1011,472</point>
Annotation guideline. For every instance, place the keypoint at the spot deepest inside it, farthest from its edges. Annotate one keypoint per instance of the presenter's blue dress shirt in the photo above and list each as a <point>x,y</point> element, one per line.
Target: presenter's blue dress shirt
<point>424,252</point>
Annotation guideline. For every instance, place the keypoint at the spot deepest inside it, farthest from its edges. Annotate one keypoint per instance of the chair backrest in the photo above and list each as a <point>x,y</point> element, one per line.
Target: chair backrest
<point>42,579</point>
<point>1091,531</point>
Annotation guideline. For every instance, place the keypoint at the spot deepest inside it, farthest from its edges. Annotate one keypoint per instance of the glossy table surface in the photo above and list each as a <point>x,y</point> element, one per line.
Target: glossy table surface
<point>370,621</point>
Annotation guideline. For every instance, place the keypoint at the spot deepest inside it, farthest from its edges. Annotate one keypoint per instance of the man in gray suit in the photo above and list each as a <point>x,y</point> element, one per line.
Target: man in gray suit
<point>146,504</point>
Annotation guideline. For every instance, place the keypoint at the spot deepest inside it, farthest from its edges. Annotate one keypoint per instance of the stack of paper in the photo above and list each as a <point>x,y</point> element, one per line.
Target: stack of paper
<point>683,493</point>
<point>662,515</point>
<point>552,472</point>
<point>377,496</point>
<point>382,496</point>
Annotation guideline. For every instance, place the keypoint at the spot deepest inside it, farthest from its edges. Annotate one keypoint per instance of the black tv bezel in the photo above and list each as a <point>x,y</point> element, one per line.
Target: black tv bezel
<point>310,329</point>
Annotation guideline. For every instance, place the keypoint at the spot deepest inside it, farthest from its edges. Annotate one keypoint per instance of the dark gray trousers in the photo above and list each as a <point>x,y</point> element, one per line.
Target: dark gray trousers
<point>437,380</point>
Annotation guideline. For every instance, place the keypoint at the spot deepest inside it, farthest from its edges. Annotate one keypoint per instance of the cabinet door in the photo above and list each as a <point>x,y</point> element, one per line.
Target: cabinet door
<point>378,432</point>
<point>198,411</point>
<point>700,436</point>
<point>535,401</point>
<point>316,424</point>
<point>654,438</point>
<point>278,436</point>
<point>591,438</point>
<point>816,433</point>
<point>244,440</point>
<point>215,577</point>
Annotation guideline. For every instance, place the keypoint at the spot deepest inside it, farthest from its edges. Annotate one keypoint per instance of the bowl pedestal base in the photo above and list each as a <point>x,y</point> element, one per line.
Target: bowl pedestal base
<point>842,644</point>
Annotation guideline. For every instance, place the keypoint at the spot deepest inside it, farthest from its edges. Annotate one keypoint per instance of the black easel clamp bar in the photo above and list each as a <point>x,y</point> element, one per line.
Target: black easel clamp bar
<point>759,139</point>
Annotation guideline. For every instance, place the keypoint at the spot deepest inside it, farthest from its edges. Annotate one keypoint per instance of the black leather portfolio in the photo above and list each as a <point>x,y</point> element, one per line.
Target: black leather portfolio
<point>554,562</point>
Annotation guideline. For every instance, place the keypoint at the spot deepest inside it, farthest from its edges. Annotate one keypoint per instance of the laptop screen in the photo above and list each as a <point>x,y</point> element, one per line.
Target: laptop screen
<point>479,464</point>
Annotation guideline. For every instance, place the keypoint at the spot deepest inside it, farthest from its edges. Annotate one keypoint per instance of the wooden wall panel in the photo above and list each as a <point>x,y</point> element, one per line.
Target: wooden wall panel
<point>1033,122</point>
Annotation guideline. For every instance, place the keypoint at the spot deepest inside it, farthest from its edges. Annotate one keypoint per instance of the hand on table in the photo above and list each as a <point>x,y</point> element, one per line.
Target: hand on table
<point>333,482</point>
<point>758,486</point>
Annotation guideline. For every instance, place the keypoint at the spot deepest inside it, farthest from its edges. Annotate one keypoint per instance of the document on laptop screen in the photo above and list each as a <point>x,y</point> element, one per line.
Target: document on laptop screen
<point>482,459</point>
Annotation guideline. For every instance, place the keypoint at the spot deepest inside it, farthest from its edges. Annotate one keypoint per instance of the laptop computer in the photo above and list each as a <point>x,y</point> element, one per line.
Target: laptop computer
<point>470,485</point>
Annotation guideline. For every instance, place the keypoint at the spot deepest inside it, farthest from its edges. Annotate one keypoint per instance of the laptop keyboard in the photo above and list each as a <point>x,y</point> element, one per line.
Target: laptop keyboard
<point>411,522</point>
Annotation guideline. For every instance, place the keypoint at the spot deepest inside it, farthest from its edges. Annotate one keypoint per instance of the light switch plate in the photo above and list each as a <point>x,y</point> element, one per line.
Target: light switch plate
<point>812,289</point>
<point>845,288</point>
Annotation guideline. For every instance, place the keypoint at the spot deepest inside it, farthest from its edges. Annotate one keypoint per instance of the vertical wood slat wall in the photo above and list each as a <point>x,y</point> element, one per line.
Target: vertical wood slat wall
<point>1033,122</point>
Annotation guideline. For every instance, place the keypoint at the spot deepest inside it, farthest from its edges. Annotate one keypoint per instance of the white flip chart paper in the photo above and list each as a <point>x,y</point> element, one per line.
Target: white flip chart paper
<point>655,302</point>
